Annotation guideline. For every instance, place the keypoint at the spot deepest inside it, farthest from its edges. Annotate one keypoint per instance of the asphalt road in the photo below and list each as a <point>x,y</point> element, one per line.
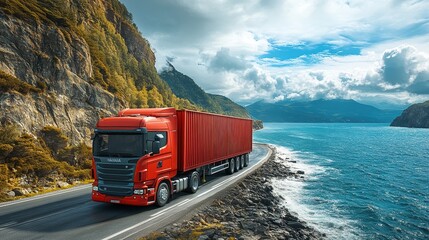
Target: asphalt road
<point>70,214</point>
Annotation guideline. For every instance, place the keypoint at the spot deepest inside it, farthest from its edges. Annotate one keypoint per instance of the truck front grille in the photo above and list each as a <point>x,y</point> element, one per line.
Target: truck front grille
<point>117,178</point>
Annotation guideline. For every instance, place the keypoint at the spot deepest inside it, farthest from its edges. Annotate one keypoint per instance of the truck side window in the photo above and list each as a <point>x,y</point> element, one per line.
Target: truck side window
<point>151,137</point>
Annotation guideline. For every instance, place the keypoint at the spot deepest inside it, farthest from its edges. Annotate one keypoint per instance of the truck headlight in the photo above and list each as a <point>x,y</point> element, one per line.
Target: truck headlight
<point>139,191</point>
<point>95,188</point>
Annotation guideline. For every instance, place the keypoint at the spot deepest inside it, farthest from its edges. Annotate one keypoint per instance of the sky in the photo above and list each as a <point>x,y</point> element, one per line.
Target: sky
<point>375,52</point>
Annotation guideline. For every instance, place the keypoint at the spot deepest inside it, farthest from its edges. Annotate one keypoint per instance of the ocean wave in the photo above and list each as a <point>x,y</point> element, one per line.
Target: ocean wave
<point>294,160</point>
<point>294,195</point>
<point>329,220</point>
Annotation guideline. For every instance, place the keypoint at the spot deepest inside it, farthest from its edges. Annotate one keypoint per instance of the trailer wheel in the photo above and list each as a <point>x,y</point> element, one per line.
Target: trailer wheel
<point>162,194</point>
<point>230,170</point>
<point>194,182</point>
<point>246,160</point>
<point>237,164</point>
<point>241,161</point>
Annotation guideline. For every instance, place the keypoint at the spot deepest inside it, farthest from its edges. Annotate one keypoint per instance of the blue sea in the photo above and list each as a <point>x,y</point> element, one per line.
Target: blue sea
<point>362,181</point>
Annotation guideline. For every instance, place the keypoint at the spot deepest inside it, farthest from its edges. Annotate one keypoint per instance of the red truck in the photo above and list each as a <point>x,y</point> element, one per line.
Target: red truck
<point>144,156</point>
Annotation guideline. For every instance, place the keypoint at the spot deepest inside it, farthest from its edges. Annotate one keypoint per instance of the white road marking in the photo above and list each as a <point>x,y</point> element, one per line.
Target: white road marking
<point>5,225</point>
<point>128,229</point>
<point>184,202</point>
<point>224,181</point>
<point>45,195</point>
<point>166,209</point>
<point>135,232</point>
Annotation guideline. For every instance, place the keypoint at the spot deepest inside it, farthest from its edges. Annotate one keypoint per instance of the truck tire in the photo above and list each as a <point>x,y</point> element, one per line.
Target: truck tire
<point>230,170</point>
<point>246,160</point>
<point>194,182</point>
<point>237,164</point>
<point>162,194</point>
<point>241,161</point>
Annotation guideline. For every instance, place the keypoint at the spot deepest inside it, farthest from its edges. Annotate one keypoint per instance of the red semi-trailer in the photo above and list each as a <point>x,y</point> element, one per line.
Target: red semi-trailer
<point>144,156</point>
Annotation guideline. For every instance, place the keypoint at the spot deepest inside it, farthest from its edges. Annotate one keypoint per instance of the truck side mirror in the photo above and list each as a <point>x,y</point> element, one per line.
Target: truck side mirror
<point>156,143</point>
<point>155,147</point>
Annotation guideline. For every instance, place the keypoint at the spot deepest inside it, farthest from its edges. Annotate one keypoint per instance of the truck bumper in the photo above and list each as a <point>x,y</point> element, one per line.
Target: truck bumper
<point>135,200</point>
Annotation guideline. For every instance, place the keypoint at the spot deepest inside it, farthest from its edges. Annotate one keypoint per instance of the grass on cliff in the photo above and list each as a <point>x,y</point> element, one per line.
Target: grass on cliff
<point>10,83</point>
<point>41,159</point>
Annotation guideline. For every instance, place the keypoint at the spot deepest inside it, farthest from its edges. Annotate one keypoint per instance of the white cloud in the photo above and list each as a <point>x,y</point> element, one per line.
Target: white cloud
<point>219,44</point>
<point>400,65</point>
<point>223,61</point>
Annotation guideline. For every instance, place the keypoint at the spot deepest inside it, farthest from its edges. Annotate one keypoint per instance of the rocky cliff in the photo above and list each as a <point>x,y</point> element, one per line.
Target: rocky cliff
<point>415,116</point>
<point>40,55</point>
<point>67,63</point>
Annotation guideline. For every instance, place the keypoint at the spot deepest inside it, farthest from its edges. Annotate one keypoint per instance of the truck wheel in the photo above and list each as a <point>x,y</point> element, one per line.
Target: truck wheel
<point>194,181</point>
<point>237,164</point>
<point>162,194</point>
<point>231,168</point>
<point>246,160</point>
<point>241,161</point>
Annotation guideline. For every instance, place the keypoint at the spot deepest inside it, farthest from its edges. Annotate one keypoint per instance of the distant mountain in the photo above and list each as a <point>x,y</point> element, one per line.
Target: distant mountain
<point>416,116</point>
<point>337,110</point>
<point>185,87</point>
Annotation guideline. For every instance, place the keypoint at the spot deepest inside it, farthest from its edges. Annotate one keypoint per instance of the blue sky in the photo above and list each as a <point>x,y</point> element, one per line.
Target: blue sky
<point>375,52</point>
<point>307,53</point>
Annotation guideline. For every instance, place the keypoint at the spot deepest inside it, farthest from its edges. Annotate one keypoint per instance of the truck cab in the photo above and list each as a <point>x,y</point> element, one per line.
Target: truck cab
<point>133,153</point>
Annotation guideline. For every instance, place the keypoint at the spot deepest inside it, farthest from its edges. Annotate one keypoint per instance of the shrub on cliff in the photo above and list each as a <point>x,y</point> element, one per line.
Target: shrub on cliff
<point>54,139</point>
<point>8,133</point>
<point>75,160</point>
<point>4,176</point>
<point>10,83</point>
<point>25,155</point>
<point>30,159</point>
<point>79,156</point>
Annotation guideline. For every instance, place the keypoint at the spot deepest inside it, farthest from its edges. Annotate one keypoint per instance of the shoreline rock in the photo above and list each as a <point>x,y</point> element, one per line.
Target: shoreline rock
<point>248,210</point>
<point>257,125</point>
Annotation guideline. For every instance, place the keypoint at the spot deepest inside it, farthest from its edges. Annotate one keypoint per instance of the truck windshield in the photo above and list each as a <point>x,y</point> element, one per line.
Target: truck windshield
<point>118,145</point>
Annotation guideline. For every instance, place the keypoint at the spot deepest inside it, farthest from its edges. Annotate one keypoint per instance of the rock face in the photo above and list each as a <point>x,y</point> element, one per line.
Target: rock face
<point>416,116</point>
<point>38,53</point>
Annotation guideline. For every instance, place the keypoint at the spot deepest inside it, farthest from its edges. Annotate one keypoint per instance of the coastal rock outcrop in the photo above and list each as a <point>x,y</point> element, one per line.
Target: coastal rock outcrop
<point>258,125</point>
<point>415,116</point>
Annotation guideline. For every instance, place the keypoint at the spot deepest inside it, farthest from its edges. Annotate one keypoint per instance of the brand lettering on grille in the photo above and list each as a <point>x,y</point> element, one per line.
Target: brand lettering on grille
<point>114,160</point>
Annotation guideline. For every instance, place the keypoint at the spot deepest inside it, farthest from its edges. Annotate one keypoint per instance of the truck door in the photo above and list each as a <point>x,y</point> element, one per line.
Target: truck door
<point>159,163</point>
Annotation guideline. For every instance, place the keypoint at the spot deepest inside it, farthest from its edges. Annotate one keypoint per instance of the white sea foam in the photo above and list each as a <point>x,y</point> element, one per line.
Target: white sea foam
<point>285,156</point>
<point>324,217</point>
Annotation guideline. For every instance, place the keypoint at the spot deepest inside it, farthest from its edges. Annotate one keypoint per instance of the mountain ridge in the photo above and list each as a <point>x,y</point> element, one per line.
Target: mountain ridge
<point>336,110</point>
<point>185,87</point>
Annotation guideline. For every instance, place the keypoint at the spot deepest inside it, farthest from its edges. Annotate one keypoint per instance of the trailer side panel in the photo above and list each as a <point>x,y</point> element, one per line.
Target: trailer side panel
<point>206,138</point>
